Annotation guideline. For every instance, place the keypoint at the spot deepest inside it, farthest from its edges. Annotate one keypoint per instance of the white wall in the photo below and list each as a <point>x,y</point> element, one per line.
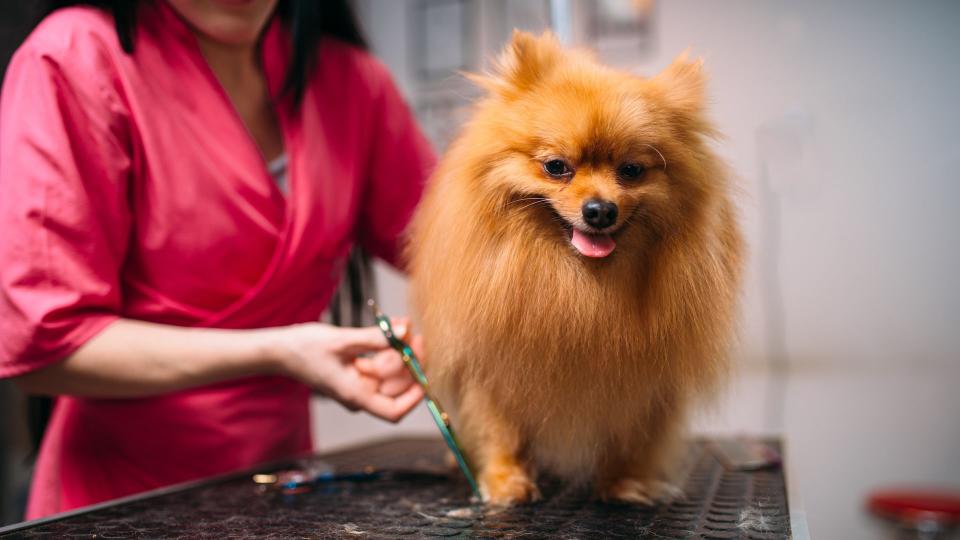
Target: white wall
<point>841,118</point>
<point>850,107</point>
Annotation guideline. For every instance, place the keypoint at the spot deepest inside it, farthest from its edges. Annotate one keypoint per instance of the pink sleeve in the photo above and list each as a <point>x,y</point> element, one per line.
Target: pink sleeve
<point>401,160</point>
<point>63,210</point>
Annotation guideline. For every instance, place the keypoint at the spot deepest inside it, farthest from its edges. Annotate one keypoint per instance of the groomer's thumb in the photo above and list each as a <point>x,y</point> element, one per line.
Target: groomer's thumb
<point>357,341</point>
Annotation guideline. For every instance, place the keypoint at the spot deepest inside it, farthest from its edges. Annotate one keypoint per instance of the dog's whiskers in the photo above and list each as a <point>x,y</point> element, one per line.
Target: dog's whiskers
<point>536,201</point>
<point>525,199</point>
<point>535,204</point>
<point>659,154</point>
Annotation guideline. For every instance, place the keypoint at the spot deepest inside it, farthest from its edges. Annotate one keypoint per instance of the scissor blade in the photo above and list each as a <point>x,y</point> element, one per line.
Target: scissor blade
<point>413,365</point>
<point>451,441</point>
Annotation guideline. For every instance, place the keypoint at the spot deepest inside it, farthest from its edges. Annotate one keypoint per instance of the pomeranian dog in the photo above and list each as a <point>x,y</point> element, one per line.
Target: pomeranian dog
<point>575,267</point>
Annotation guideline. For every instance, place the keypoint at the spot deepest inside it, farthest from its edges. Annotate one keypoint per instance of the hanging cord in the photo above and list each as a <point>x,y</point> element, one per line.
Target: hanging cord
<point>349,303</point>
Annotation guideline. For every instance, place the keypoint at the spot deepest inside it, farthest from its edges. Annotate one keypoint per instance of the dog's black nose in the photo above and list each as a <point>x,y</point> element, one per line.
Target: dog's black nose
<point>599,214</point>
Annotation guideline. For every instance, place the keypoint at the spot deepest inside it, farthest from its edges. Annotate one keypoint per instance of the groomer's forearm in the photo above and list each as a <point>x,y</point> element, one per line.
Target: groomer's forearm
<point>133,358</point>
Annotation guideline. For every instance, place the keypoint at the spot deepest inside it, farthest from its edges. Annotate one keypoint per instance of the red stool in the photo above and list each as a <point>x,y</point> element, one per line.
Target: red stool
<point>927,514</point>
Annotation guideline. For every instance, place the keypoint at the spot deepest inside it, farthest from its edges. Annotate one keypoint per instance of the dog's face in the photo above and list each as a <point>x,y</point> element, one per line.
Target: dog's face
<point>594,156</point>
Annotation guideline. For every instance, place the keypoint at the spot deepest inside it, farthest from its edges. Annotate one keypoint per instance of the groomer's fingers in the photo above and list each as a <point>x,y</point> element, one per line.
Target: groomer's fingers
<point>357,341</point>
<point>392,409</point>
<point>394,386</point>
<point>401,327</point>
<point>416,343</point>
<point>383,365</point>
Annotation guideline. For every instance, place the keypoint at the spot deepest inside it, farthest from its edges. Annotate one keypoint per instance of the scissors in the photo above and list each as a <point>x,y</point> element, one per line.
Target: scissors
<point>307,475</point>
<point>439,416</point>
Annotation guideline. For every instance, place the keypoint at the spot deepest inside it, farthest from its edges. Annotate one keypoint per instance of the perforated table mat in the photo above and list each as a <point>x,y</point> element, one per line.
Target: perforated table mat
<point>417,496</point>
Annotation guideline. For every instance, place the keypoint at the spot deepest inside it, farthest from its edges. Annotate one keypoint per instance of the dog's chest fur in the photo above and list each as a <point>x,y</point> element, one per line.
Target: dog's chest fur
<point>569,359</point>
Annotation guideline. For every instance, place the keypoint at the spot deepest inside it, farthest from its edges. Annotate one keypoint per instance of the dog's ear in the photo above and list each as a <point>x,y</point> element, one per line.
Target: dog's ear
<point>526,60</point>
<point>683,86</point>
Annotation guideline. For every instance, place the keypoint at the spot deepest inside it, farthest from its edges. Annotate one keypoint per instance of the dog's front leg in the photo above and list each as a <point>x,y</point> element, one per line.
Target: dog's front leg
<point>495,447</point>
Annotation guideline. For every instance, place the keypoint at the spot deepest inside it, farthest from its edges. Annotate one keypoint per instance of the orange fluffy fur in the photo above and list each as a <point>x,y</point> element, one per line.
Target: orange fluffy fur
<point>549,360</point>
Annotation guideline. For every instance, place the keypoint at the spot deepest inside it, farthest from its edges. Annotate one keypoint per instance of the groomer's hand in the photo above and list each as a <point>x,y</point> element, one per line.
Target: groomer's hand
<point>328,358</point>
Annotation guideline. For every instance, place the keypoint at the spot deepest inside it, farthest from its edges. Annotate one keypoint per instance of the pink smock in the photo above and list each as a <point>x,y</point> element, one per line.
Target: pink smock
<point>130,188</point>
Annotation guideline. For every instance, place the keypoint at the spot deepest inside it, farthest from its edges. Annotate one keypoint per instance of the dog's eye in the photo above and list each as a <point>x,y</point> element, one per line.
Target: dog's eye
<point>631,171</point>
<point>556,168</point>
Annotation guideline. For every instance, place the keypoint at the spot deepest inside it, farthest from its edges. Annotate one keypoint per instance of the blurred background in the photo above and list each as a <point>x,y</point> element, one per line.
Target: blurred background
<point>841,120</point>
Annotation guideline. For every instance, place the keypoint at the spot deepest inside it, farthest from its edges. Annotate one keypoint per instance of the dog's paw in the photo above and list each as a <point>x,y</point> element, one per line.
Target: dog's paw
<point>508,486</point>
<point>646,492</point>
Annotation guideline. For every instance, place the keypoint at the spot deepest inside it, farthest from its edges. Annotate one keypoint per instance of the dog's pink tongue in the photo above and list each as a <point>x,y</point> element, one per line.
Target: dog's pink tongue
<point>592,245</point>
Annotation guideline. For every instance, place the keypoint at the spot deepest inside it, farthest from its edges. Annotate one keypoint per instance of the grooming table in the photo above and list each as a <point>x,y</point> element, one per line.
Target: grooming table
<point>416,495</point>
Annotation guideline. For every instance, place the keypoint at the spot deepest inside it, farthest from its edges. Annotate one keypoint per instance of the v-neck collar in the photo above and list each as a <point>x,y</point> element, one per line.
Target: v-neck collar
<point>274,55</point>
<point>272,51</point>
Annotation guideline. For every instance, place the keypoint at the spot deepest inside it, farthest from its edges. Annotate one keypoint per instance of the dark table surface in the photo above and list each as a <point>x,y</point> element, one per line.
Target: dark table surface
<point>418,496</point>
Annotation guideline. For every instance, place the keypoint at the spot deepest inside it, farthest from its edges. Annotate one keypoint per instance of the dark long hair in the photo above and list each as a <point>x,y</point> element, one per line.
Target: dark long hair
<point>308,20</point>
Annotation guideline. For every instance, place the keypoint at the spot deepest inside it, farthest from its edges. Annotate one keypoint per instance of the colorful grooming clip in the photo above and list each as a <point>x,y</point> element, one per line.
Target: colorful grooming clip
<point>440,417</point>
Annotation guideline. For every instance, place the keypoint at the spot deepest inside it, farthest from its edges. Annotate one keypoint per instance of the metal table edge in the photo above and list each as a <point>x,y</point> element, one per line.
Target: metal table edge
<point>799,530</point>
<point>200,482</point>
